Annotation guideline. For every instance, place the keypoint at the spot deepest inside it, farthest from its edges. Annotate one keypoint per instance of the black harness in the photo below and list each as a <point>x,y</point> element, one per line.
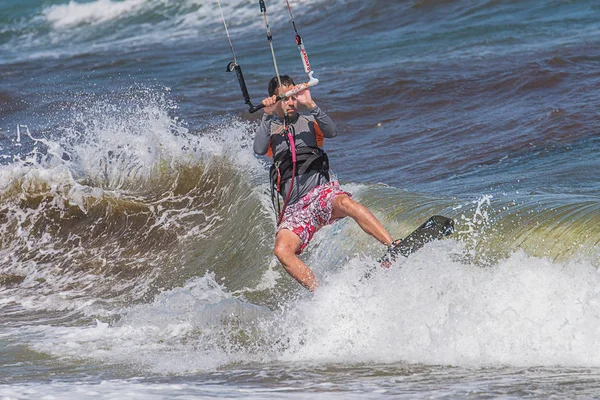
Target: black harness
<point>308,158</point>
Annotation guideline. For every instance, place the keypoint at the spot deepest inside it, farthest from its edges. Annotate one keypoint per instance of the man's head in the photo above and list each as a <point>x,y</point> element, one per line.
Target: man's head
<point>274,84</point>
<point>290,104</point>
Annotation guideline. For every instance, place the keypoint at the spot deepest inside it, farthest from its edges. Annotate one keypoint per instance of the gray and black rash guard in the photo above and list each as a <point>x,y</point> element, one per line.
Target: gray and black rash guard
<point>271,133</point>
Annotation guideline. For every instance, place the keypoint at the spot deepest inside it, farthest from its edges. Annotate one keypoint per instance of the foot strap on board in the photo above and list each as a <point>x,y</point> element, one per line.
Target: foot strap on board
<point>391,255</point>
<point>434,228</point>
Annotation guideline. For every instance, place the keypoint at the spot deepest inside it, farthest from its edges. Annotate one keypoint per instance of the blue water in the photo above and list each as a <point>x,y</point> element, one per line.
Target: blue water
<point>136,229</point>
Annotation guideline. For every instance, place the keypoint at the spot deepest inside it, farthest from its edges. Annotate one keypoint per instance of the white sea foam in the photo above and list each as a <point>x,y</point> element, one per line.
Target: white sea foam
<point>138,389</point>
<point>433,309</point>
<point>103,151</point>
<point>188,329</point>
<point>99,11</point>
<point>429,309</point>
<point>77,27</point>
<point>187,13</point>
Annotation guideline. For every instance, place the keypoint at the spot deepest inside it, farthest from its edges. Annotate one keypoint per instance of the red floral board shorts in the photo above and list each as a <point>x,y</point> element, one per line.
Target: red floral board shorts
<point>311,212</point>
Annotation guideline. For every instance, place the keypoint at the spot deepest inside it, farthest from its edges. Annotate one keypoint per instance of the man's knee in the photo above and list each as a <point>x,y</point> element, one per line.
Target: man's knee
<point>286,245</point>
<point>343,205</point>
<point>281,250</point>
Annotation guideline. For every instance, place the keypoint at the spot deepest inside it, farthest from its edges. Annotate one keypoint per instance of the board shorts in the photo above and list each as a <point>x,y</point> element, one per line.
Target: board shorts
<point>311,212</point>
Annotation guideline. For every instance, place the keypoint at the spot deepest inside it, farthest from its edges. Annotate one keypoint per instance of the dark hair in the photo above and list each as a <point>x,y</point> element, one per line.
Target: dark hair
<point>274,84</point>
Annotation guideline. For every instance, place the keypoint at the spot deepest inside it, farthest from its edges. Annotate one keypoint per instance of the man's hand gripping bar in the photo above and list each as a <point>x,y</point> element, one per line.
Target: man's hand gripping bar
<point>233,66</point>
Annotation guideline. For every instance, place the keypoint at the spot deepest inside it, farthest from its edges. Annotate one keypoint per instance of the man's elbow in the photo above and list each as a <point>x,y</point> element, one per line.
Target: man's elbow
<point>260,151</point>
<point>331,133</point>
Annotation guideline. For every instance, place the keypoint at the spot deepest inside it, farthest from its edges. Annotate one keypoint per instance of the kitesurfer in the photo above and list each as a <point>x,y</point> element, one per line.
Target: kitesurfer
<point>312,199</point>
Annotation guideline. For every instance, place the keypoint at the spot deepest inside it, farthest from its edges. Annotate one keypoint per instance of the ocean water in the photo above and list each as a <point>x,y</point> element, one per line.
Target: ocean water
<point>136,229</point>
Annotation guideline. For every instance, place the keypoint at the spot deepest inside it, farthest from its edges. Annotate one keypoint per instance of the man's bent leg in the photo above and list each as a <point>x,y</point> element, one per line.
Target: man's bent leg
<point>344,206</point>
<point>286,244</point>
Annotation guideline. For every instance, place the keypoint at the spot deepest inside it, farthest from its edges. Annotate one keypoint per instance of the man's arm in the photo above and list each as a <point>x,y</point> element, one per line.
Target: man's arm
<point>263,135</point>
<point>325,122</point>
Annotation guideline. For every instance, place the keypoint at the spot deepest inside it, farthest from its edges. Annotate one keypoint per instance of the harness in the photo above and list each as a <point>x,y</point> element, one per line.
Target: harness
<point>308,158</point>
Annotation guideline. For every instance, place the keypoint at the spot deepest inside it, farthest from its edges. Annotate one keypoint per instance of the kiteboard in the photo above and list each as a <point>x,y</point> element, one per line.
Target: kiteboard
<point>434,228</point>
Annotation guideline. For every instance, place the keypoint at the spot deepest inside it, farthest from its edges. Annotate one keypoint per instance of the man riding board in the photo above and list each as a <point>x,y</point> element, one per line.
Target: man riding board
<point>312,200</point>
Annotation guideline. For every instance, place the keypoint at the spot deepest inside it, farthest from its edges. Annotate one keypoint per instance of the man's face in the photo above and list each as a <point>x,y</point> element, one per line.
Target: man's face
<point>289,105</point>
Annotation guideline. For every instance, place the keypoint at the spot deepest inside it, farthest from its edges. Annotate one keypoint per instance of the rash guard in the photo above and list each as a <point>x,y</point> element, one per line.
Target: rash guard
<point>271,135</point>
